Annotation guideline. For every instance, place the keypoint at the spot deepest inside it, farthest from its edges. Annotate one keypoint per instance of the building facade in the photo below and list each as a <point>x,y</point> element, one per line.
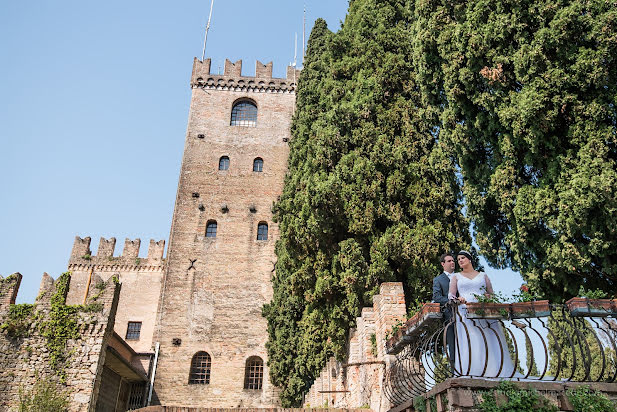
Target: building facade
<point>197,312</point>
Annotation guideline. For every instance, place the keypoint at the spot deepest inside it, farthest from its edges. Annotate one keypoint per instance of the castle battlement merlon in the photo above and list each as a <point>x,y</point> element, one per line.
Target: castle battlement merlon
<point>9,287</point>
<point>81,254</point>
<point>232,78</point>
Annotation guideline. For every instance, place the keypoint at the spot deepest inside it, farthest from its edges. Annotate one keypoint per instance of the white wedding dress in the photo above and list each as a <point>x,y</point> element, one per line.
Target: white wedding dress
<point>481,348</point>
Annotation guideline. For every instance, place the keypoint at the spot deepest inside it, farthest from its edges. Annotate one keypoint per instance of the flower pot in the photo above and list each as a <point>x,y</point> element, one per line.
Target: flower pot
<point>592,307</point>
<point>478,310</point>
<point>532,309</point>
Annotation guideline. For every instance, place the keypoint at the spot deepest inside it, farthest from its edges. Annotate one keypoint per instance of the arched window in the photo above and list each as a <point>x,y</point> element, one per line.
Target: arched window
<point>258,164</point>
<point>254,373</point>
<point>224,163</point>
<point>262,231</point>
<point>200,369</point>
<point>211,228</point>
<point>244,113</point>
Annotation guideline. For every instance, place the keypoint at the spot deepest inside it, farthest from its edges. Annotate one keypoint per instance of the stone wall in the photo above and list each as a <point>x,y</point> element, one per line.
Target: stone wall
<point>25,354</point>
<point>141,280</point>
<point>357,382</point>
<point>214,287</point>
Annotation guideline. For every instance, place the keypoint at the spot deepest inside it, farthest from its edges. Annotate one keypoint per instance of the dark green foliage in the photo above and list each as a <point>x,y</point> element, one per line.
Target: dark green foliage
<point>43,397</point>
<point>519,95</point>
<point>585,399</point>
<point>516,400</point>
<point>18,320</point>
<point>60,325</point>
<point>371,195</point>
<point>526,93</point>
<point>577,351</point>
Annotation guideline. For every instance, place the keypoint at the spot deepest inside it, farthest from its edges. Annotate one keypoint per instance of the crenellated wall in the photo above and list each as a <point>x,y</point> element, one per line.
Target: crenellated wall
<point>233,80</point>
<point>25,352</point>
<point>141,280</point>
<point>357,382</point>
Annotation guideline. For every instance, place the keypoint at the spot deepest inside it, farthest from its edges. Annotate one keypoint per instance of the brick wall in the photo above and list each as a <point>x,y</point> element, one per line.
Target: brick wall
<point>141,280</point>
<point>25,360</point>
<point>357,382</point>
<point>214,288</point>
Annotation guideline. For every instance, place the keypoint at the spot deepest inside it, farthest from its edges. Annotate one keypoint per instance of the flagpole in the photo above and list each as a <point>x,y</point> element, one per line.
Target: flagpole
<point>203,53</point>
<point>303,34</point>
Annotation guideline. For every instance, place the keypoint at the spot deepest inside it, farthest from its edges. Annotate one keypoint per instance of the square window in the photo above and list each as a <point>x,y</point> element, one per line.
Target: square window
<point>133,330</point>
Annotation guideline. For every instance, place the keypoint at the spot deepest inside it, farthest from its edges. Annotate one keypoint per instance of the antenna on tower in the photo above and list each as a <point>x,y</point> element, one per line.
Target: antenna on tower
<point>303,33</point>
<point>296,50</point>
<point>203,53</point>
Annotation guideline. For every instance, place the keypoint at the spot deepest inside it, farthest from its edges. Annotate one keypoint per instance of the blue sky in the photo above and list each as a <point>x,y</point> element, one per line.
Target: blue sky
<point>95,99</point>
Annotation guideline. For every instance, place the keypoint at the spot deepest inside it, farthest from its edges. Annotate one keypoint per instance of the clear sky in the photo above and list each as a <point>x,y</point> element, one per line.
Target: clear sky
<point>93,111</point>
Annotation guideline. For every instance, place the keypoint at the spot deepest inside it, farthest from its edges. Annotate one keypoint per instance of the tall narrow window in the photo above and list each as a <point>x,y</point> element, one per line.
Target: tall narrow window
<point>211,228</point>
<point>258,164</point>
<point>244,113</point>
<point>200,369</point>
<point>262,231</point>
<point>133,330</point>
<point>254,373</point>
<point>224,163</point>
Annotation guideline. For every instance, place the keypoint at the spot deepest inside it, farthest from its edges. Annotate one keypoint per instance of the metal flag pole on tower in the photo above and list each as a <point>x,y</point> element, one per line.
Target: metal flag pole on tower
<point>303,34</point>
<point>296,50</point>
<point>203,53</point>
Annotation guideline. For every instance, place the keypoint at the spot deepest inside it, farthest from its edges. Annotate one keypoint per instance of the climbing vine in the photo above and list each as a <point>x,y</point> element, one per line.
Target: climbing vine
<point>18,320</point>
<point>58,326</point>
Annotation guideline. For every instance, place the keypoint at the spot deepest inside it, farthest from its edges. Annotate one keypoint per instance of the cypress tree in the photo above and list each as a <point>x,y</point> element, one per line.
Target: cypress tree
<point>371,194</point>
<point>526,93</point>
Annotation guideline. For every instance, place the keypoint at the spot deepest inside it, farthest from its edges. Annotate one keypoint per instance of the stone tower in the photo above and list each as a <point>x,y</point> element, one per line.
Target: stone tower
<point>221,248</point>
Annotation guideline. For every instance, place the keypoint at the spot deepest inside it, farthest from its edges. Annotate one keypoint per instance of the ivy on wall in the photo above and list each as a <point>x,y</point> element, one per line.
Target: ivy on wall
<point>57,326</point>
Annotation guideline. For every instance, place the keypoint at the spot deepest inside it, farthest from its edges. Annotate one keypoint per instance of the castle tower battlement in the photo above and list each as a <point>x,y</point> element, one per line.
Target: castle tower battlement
<point>140,278</point>
<point>9,287</point>
<point>232,78</point>
<point>81,255</point>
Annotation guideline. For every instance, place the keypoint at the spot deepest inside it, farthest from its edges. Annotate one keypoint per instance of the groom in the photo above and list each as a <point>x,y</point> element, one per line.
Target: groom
<point>441,286</point>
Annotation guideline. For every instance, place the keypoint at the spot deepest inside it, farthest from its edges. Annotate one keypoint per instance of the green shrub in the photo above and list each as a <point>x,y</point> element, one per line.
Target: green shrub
<point>43,397</point>
<point>517,400</point>
<point>585,399</point>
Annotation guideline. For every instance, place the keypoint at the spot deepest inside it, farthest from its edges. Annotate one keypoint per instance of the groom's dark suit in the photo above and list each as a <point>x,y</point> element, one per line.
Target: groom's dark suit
<point>441,287</point>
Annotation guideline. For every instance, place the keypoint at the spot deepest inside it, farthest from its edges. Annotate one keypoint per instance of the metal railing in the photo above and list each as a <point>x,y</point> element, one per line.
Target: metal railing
<point>528,341</point>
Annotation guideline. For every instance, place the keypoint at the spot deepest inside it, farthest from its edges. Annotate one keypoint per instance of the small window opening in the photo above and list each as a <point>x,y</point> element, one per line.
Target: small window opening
<point>262,231</point>
<point>211,228</point>
<point>133,330</point>
<point>258,165</point>
<point>224,163</point>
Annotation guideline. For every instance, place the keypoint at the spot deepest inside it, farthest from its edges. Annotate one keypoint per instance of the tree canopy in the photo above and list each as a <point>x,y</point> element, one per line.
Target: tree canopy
<point>526,94</point>
<point>413,106</point>
<point>371,195</point>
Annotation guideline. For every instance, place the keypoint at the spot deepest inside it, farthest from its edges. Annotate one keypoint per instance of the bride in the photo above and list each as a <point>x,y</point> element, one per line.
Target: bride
<point>481,348</point>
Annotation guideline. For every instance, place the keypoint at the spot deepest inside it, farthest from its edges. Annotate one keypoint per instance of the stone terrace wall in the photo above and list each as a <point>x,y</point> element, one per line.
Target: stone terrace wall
<point>25,360</point>
<point>184,409</point>
<point>357,383</point>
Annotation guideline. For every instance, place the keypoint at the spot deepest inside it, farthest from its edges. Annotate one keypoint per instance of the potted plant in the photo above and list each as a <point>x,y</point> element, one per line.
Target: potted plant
<point>527,305</point>
<point>488,306</point>
<point>592,303</point>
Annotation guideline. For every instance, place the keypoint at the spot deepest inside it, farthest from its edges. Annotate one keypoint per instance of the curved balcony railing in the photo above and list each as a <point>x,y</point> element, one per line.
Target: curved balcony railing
<point>526,341</point>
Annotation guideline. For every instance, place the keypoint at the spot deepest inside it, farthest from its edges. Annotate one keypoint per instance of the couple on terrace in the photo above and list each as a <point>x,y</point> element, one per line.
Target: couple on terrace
<point>475,347</point>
